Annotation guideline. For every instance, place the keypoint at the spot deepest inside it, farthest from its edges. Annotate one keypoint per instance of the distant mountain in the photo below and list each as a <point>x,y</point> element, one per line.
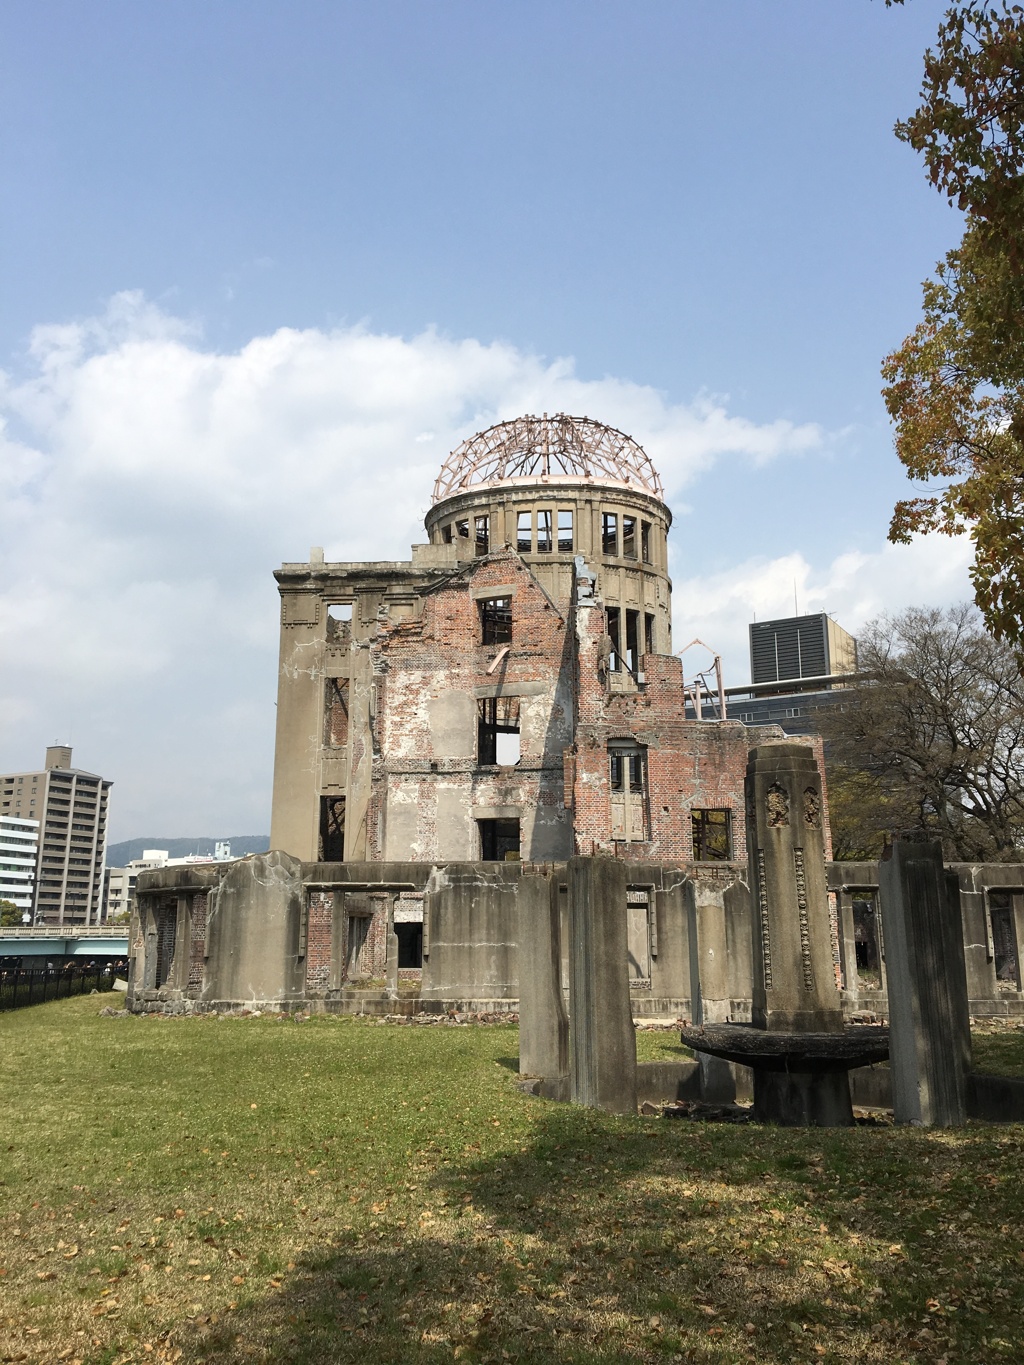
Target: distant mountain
<point>119,855</point>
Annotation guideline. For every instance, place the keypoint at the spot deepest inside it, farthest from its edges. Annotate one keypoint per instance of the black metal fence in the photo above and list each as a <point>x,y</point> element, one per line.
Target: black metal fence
<point>57,981</point>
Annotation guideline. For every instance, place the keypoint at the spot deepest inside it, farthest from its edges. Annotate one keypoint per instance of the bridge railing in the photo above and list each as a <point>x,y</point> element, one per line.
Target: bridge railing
<point>65,931</point>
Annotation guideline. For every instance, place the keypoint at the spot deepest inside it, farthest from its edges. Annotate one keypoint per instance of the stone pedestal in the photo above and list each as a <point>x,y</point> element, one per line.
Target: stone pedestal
<point>602,1039</point>
<point>929,1020</point>
<point>803,1099</point>
<point>543,1022</point>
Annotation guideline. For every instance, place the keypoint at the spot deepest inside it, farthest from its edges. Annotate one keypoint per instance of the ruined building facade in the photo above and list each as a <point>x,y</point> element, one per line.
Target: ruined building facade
<point>453,728</point>
<point>510,691</point>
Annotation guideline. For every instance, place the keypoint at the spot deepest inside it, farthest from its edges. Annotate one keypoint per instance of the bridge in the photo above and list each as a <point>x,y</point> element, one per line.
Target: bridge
<point>64,940</point>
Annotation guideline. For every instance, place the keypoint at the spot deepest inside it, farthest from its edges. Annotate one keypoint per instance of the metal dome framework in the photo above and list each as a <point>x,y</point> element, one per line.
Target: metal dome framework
<point>536,449</point>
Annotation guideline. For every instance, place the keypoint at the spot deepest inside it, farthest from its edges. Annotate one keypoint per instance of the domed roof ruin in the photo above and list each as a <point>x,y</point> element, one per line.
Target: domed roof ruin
<point>542,449</point>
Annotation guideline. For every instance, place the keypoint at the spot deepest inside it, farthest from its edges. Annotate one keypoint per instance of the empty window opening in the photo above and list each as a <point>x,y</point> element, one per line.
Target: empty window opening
<point>712,842</point>
<point>462,528</point>
<point>614,659</point>
<point>498,731</point>
<point>499,841</point>
<point>628,537</point>
<point>336,712</point>
<point>645,541</point>
<point>339,621</point>
<point>524,533</point>
<point>410,945</point>
<point>545,542</point>
<point>358,933</point>
<point>483,535</point>
<point>627,779</point>
<point>332,829</point>
<point>496,620</point>
<point>865,941</point>
<point>610,533</point>
<point>1004,940</point>
<point>649,634</point>
<point>446,533</point>
<point>632,654</point>
<point>565,541</point>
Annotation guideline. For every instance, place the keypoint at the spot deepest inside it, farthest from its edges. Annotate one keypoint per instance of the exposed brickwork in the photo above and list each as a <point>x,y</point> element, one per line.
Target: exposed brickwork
<point>197,944</point>
<point>319,932</point>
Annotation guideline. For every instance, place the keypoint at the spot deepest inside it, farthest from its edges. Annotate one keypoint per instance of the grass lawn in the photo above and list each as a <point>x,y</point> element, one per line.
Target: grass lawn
<point>250,1190</point>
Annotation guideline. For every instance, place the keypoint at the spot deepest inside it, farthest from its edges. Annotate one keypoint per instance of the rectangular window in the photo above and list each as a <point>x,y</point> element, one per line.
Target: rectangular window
<point>627,780</point>
<point>499,841</point>
<point>628,537</point>
<point>336,712</point>
<point>1004,940</point>
<point>711,835</point>
<point>524,533</point>
<point>610,533</point>
<point>645,541</point>
<point>498,731</point>
<point>632,654</point>
<point>332,829</point>
<point>614,659</point>
<point>496,620</point>
<point>462,528</point>
<point>545,543</point>
<point>483,535</point>
<point>565,541</point>
<point>649,634</point>
<point>446,533</point>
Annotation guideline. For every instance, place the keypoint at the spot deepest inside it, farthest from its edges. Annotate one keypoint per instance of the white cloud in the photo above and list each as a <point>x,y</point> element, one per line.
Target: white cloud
<point>149,487</point>
<point>854,588</point>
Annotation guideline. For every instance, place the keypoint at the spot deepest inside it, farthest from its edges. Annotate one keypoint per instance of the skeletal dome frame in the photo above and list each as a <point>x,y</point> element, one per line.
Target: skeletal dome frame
<point>535,449</point>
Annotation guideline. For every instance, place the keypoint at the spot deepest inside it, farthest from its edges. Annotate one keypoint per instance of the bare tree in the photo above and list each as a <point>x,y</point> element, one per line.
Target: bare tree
<point>930,737</point>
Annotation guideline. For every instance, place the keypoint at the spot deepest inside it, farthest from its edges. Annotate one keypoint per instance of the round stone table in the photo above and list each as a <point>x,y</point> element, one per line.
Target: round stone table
<point>800,1079</point>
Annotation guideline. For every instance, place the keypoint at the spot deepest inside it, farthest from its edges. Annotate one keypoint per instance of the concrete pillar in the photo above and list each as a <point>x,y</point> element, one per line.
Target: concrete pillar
<point>929,1023</point>
<point>709,1003</point>
<point>392,963</point>
<point>602,1039</point>
<point>543,1022</point>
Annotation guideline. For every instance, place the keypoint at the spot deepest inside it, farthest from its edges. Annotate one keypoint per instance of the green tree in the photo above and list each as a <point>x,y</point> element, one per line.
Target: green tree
<point>955,388</point>
<point>10,915</point>
<point>931,737</point>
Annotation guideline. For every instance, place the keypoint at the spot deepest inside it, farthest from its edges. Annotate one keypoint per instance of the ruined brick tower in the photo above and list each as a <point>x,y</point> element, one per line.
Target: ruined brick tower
<point>509,692</point>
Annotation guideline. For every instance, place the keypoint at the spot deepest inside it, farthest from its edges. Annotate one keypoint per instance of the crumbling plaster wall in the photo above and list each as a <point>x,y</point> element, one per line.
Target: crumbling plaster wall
<point>430,677</point>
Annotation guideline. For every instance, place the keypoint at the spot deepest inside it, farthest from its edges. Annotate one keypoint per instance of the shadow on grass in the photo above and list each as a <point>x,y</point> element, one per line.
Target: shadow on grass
<point>610,1240</point>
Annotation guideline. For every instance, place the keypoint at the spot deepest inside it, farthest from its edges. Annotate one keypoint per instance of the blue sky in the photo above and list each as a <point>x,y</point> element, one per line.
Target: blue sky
<point>263,264</point>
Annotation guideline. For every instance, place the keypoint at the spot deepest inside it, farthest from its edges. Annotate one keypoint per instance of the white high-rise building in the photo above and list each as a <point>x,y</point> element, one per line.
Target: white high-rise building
<point>19,851</point>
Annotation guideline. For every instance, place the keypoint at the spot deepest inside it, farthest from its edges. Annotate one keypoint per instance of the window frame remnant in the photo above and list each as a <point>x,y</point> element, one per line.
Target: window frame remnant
<point>331,839</point>
<point>610,534</point>
<point>645,542</point>
<point>462,528</point>
<point>566,541</point>
<point>711,834</point>
<point>545,531</point>
<point>628,536</point>
<point>631,656</point>
<point>500,840</point>
<point>628,791</point>
<point>649,636</point>
<point>495,620</point>
<point>524,532</point>
<point>1003,930</point>
<point>497,716</point>
<point>446,533</point>
<point>482,526</point>
<point>613,626</point>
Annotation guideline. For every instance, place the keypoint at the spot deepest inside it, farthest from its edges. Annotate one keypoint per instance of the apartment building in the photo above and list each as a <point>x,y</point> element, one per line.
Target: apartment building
<point>71,809</point>
<point>19,852</point>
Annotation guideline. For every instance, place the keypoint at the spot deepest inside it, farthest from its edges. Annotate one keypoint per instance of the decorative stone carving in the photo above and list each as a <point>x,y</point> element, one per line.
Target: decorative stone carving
<point>812,808</point>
